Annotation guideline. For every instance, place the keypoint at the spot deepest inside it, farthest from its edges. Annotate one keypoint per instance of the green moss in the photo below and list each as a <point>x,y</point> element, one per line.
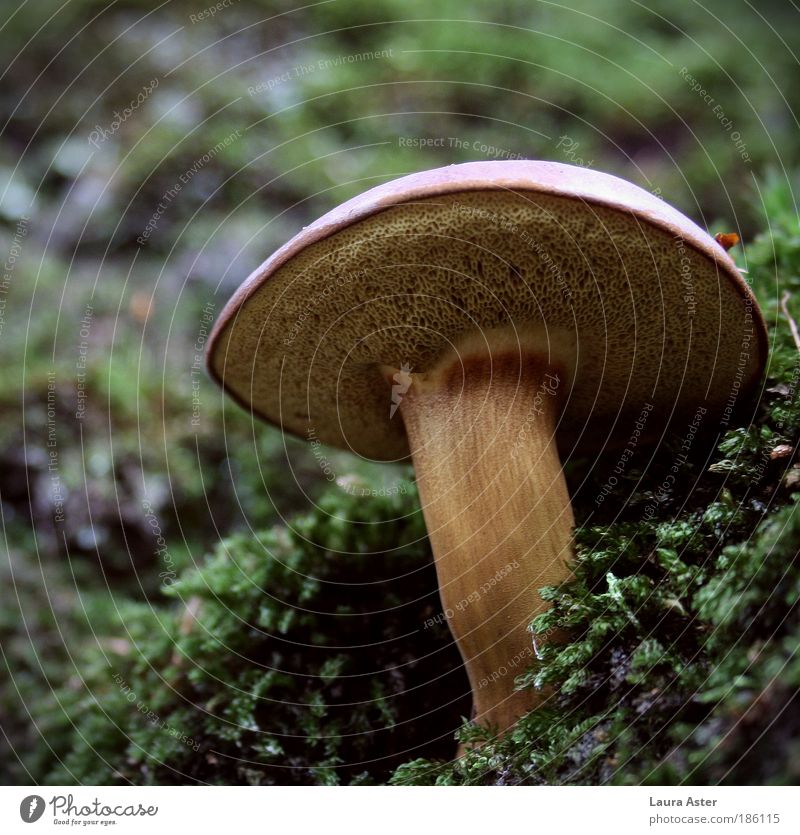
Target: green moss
<point>300,660</point>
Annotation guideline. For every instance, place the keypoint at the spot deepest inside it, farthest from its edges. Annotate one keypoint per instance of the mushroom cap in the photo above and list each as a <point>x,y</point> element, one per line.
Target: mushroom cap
<point>636,304</point>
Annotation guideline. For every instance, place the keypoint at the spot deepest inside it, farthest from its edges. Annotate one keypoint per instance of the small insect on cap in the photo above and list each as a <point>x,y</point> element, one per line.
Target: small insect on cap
<point>637,303</point>
<point>727,240</point>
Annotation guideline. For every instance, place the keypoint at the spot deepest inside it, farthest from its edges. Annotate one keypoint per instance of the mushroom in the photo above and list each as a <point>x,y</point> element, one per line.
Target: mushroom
<point>490,319</point>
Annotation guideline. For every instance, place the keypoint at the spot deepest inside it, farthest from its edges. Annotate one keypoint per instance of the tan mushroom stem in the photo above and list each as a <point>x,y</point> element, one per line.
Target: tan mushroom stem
<point>481,428</point>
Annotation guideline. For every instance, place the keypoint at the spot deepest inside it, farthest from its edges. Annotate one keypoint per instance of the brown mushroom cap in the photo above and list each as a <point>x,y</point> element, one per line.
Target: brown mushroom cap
<point>635,302</point>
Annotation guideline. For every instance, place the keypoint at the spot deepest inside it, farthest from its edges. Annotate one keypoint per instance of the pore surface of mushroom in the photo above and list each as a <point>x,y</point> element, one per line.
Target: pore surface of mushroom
<point>489,320</point>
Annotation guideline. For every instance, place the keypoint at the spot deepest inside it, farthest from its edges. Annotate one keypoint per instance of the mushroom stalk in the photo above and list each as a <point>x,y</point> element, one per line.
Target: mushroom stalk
<point>481,428</point>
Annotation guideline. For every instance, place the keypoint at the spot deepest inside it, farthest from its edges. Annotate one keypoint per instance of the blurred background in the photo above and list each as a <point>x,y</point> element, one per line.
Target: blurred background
<point>152,156</point>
